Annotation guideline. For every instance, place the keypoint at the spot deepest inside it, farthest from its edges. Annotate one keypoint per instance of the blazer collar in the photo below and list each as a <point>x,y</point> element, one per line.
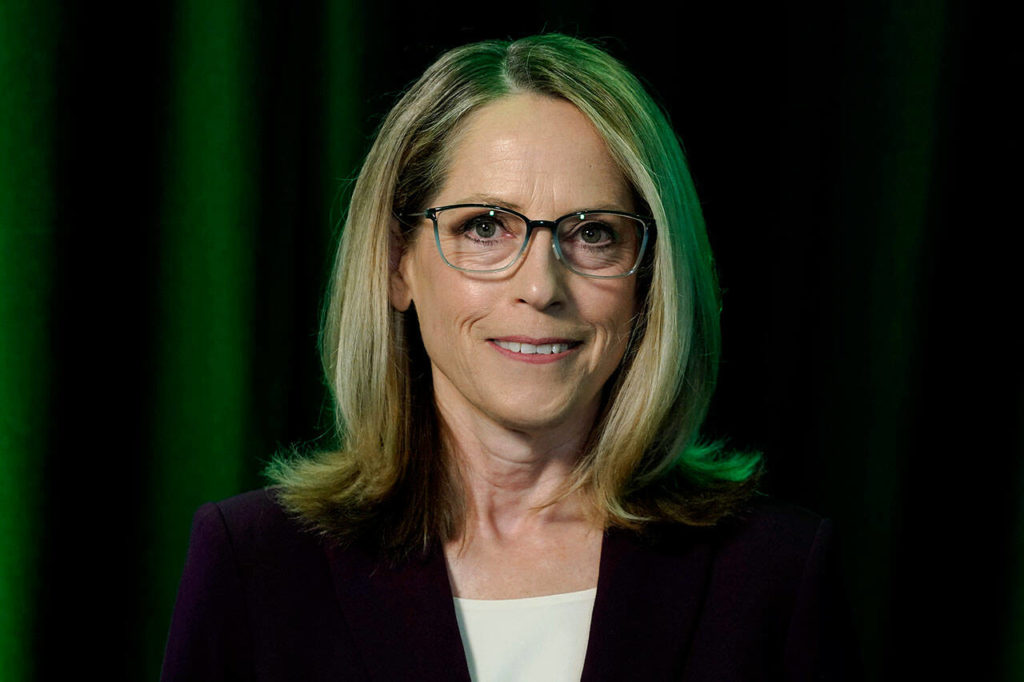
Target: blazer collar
<point>401,617</point>
<point>649,593</point>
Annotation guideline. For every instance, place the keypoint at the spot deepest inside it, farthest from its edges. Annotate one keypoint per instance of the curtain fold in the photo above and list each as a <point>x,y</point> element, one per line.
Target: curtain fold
<point>173,178</point>
<point>27,41</point>
<point>203,330</point>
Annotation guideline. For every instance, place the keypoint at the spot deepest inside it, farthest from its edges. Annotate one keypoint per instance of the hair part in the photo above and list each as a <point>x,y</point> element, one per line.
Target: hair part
<point>389,479</point>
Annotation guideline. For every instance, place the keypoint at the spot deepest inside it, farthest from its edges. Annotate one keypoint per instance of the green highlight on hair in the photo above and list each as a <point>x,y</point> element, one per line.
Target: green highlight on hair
<point>643,461</point>
<point>707,463</point>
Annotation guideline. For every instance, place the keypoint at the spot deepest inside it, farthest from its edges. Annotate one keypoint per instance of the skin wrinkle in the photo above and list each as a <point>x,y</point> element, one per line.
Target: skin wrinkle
<point>516,429</point>
<point>385,409</point>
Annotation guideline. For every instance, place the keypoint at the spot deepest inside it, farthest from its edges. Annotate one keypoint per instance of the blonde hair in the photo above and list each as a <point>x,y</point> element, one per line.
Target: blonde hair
<point>389,478</point>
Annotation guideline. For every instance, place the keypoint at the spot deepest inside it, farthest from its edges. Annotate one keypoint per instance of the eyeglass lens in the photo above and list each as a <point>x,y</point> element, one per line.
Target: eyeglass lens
<point>484,239</point>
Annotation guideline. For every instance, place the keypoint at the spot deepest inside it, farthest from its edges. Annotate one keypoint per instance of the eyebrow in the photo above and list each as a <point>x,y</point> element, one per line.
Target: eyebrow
<point>492,200</point>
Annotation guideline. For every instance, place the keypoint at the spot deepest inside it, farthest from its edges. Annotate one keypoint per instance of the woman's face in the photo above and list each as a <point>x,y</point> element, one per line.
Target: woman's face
<point>543,158</point>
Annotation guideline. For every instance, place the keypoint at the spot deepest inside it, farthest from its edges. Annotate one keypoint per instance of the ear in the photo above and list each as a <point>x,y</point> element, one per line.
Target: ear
<point>398,288</point>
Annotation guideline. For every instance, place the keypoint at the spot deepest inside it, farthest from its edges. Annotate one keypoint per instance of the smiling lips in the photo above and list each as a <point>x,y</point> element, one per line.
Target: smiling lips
<point>530,349</point>
<point>535,350</point>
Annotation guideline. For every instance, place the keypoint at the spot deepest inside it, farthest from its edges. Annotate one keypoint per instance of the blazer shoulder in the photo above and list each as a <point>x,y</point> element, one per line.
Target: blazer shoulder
<point>257,595</point>
<point>259,507</point>
<point>767,508</point>
<point>768,547</point>
<point>799,559</point>
<point>255,523</point>
<point>768,523</point>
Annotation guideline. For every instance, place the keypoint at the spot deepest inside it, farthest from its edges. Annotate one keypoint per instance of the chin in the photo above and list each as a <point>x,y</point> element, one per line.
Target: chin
<point>537,414</point>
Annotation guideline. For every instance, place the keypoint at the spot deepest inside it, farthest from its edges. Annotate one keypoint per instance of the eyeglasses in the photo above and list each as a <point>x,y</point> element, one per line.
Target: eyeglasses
<point>480,238</point>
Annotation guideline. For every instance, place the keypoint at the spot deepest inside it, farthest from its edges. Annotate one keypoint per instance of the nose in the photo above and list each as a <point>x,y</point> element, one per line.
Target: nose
<point>539,279</point>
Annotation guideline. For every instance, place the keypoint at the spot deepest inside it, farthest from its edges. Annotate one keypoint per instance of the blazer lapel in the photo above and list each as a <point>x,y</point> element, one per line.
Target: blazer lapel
<point>402,618</point>
<point>649,595</point>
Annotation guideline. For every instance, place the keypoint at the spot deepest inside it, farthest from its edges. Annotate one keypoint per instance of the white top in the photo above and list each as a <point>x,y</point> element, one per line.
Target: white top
<point>540,639</point>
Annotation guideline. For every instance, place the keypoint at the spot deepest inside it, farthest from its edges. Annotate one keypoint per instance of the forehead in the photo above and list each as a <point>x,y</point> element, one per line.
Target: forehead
<point>534,151</point>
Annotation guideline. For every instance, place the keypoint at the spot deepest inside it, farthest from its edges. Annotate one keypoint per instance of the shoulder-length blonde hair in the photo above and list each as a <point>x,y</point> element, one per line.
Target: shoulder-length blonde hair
<point>389,479</point>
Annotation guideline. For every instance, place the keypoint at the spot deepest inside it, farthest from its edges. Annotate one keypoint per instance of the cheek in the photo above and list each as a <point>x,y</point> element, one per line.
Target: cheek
<point>614,305</point>
<point>448,307</point>
<point>620,333</point>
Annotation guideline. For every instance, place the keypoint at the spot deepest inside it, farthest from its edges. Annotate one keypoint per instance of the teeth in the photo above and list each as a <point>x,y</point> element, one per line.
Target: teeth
<point>531,349</point>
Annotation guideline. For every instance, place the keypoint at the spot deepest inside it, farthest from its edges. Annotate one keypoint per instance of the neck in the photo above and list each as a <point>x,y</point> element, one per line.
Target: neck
<point>510,476</point>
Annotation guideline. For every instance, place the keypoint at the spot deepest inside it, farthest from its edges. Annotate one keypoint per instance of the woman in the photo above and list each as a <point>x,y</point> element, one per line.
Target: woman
<point>522,340</point>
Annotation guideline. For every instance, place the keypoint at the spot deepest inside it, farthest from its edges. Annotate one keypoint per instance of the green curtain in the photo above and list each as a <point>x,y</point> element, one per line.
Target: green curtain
<point>26,245</point>
<point>171,181</point>
<point>206,271</point>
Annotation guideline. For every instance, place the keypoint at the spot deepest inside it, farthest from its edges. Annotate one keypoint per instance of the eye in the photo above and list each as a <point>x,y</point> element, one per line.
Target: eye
<point>595,233</point>
<point>484,227</point>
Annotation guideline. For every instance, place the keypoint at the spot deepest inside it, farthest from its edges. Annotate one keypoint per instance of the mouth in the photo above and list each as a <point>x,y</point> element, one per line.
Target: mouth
<point>525,348</point>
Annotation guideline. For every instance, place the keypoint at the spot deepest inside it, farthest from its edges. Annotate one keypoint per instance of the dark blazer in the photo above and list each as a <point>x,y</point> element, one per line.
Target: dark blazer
<point>754,598</point>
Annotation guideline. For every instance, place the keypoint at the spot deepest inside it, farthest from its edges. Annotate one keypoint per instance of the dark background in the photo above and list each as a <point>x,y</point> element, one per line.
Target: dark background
<point>167,214</point>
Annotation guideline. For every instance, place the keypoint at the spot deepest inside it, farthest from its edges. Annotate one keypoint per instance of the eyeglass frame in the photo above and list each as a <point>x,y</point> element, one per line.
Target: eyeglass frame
<point>431,213</point>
